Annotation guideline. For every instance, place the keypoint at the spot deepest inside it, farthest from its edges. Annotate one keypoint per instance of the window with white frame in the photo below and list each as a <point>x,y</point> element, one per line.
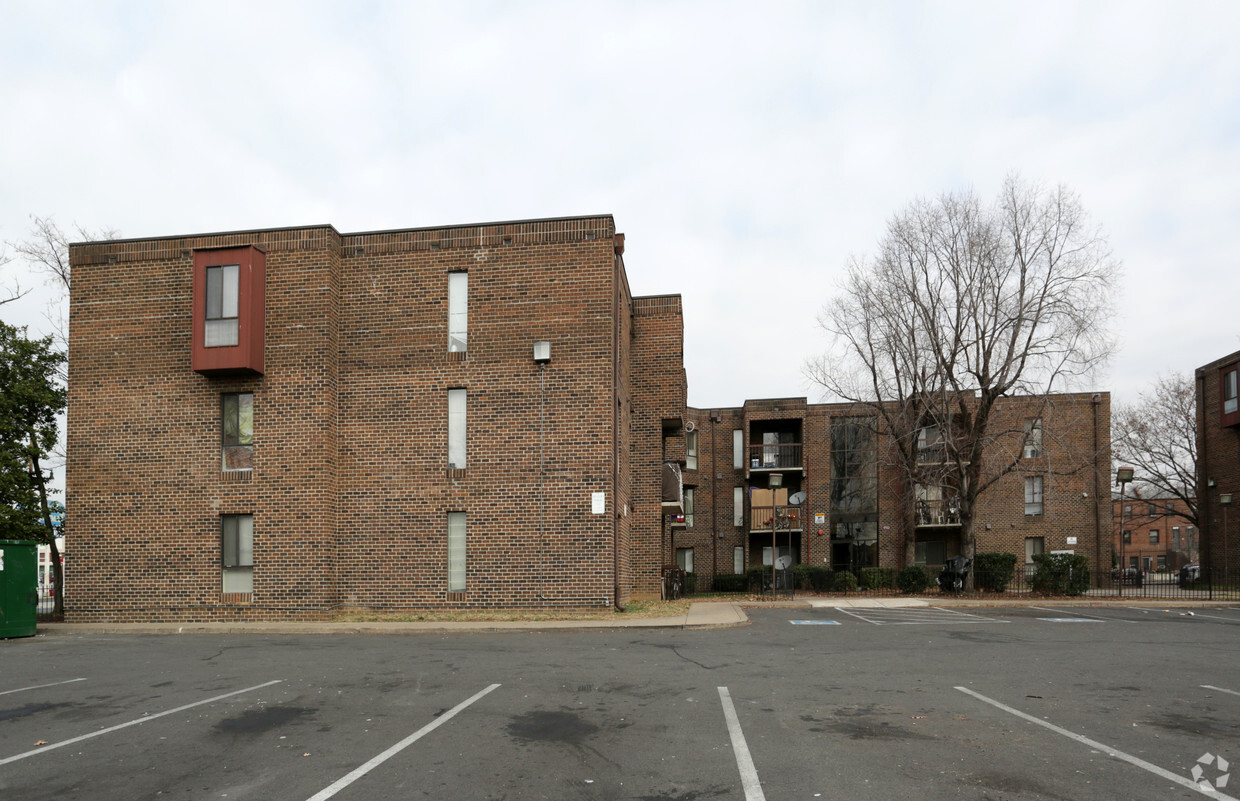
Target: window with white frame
<point>691,450</point>
<point>738,449</point>
<point>1175,538</point>
<point>458,312</point>
<point>223,306</point>
<point>1231,399</point>
<point>689,507</point>
<point>237,553</point>
<point>1153,536</point>
<point>456,429</point>
<point>684,559</point>
<point>1033,547</point>
<point>1033,438</point>
<point>738,506</point>
<point>456,551</point>
<point>1033,495</point>
<point>738,559</point>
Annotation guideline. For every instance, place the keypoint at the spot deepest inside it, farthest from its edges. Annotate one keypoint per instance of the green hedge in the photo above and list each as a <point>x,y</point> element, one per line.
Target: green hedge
<point>1060,573</point>
<point>913,579</point>
<point>844,581</point>
<point>731,582</point>
<point>690,585</point>
<point>993,570</point>
<point>878,578</point>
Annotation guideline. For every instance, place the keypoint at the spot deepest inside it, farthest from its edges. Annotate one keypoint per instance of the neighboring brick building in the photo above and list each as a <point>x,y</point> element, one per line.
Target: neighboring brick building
<point>1218,462</point>
<point>1056,499</point>
<point>1156,535</point>
<point>288,423</point>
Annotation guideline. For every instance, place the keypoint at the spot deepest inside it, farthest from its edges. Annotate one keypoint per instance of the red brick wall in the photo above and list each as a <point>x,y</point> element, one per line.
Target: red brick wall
<point>350,491</point>
<point>1218,460</point>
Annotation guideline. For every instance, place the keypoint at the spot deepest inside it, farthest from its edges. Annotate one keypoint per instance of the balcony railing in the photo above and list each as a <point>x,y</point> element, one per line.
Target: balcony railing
<point>938,513</point>
<point>790,518</point>
<point>784,456</point>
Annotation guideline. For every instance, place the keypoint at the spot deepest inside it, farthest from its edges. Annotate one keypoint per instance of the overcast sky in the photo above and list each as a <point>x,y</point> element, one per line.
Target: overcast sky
<point>745,149</point>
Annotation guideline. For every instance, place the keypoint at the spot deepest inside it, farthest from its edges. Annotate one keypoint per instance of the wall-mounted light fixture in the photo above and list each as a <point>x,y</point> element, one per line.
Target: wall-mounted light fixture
<point>542,351</point>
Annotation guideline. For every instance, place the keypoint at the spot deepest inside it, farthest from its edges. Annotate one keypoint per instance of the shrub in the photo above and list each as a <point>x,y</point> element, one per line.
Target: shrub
<point>844,581</point>
<point>1060,573</point>
<point>878,578</point>
<point>731,582</point>
<point>820,578</point>
<point>913,579</point>
<point>992,571</point>
<point>801,576</point>
<point>690,585</point>
<point>756,576</point>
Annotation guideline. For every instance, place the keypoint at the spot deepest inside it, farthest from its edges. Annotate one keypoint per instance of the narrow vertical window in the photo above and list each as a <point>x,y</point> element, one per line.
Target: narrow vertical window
<point>458,312</point>
<point>237,553</point>
<point>456,429</point>
<point>1033,495</point>
<point>223,292</point>
<point>738,449</point>
<point>1231,399</point>
<point>738,506</point>
<point>456,552</point>
<point>689,507</point>
<point>691,450</point>
<point>237,431</point>
<point>1033,438</point>
<point>738,559</point>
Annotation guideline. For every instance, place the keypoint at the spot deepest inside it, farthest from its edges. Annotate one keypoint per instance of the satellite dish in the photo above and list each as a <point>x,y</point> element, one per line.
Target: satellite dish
<point>783,562</point>
<point>796,499</point>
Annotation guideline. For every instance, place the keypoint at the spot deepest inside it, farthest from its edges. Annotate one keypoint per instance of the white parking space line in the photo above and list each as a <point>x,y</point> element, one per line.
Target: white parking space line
<point>1106,749</point>
<point>40,686</point>
<point>1220,689</point>
<point>918,617</point>
<point>143,719</point>
<point>1074,613</point>
<point>749,774</point>
<point>354,775</point>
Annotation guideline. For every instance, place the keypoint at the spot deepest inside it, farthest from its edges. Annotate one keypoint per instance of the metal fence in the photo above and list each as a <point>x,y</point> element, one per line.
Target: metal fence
<point>1196,585</point>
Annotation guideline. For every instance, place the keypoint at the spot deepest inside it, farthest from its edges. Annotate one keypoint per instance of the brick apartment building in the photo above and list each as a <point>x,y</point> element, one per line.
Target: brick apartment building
<point>1156,534</point>
<point>1218,462</point>
<point>287,423</point>
<point>854,516</point>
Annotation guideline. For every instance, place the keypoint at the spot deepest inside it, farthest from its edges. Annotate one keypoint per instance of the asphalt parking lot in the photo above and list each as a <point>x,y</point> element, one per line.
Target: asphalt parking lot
<point>1020,703</point>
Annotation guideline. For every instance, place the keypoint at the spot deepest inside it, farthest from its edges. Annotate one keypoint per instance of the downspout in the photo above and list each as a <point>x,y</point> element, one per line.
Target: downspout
<point>615,432</point>
<point>714,504</point>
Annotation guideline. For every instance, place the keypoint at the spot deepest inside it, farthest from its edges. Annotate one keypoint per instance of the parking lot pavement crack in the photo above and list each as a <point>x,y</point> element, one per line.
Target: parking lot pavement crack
<point>690,660</point>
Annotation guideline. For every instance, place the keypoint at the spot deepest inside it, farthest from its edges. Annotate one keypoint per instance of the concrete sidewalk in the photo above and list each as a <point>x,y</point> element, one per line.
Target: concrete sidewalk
<point>699,616</point>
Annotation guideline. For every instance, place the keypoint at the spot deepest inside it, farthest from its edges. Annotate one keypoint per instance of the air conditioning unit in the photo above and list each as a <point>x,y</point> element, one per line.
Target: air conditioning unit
<point>690,426</point>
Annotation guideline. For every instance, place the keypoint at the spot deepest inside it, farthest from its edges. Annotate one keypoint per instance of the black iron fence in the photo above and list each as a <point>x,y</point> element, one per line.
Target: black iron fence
<point>1189,584</point>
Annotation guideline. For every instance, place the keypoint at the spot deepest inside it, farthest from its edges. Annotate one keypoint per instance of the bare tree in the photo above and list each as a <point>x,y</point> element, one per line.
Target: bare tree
<point>1157,436</point>
<point>965,304</point>
<point>46,250</point>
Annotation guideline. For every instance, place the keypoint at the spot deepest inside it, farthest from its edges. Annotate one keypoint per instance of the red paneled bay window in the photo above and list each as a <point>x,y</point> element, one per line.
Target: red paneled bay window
<point>229,294</point>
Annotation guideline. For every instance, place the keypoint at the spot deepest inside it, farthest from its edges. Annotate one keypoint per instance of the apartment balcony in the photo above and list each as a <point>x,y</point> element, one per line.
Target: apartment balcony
<point>784,456</point>
<point>790,518</point>
<point>938,513</point>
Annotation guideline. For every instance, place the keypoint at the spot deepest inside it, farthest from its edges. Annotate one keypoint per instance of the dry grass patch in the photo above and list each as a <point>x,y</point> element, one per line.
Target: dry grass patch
<point>635,610</point>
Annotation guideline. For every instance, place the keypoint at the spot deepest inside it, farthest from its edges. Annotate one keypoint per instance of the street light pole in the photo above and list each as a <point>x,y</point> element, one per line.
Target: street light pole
<point>776,481</point>
<point>1122,476</point>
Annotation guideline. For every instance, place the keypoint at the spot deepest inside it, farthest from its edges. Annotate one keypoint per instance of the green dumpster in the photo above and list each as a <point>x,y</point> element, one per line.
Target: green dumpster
<point>19,588</point>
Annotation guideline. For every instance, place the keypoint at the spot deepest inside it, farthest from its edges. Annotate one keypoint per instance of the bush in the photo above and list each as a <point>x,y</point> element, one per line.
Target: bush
<point>844,581</point>
<point>992,571</point>
<point>756,576</point>
<point>801,577</point>
<point>1060,573</point>
<point>731,582</point>
<point>690,585</point>
<point>878,578</point>
<point>820,578</point>
<point>913,579</point>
